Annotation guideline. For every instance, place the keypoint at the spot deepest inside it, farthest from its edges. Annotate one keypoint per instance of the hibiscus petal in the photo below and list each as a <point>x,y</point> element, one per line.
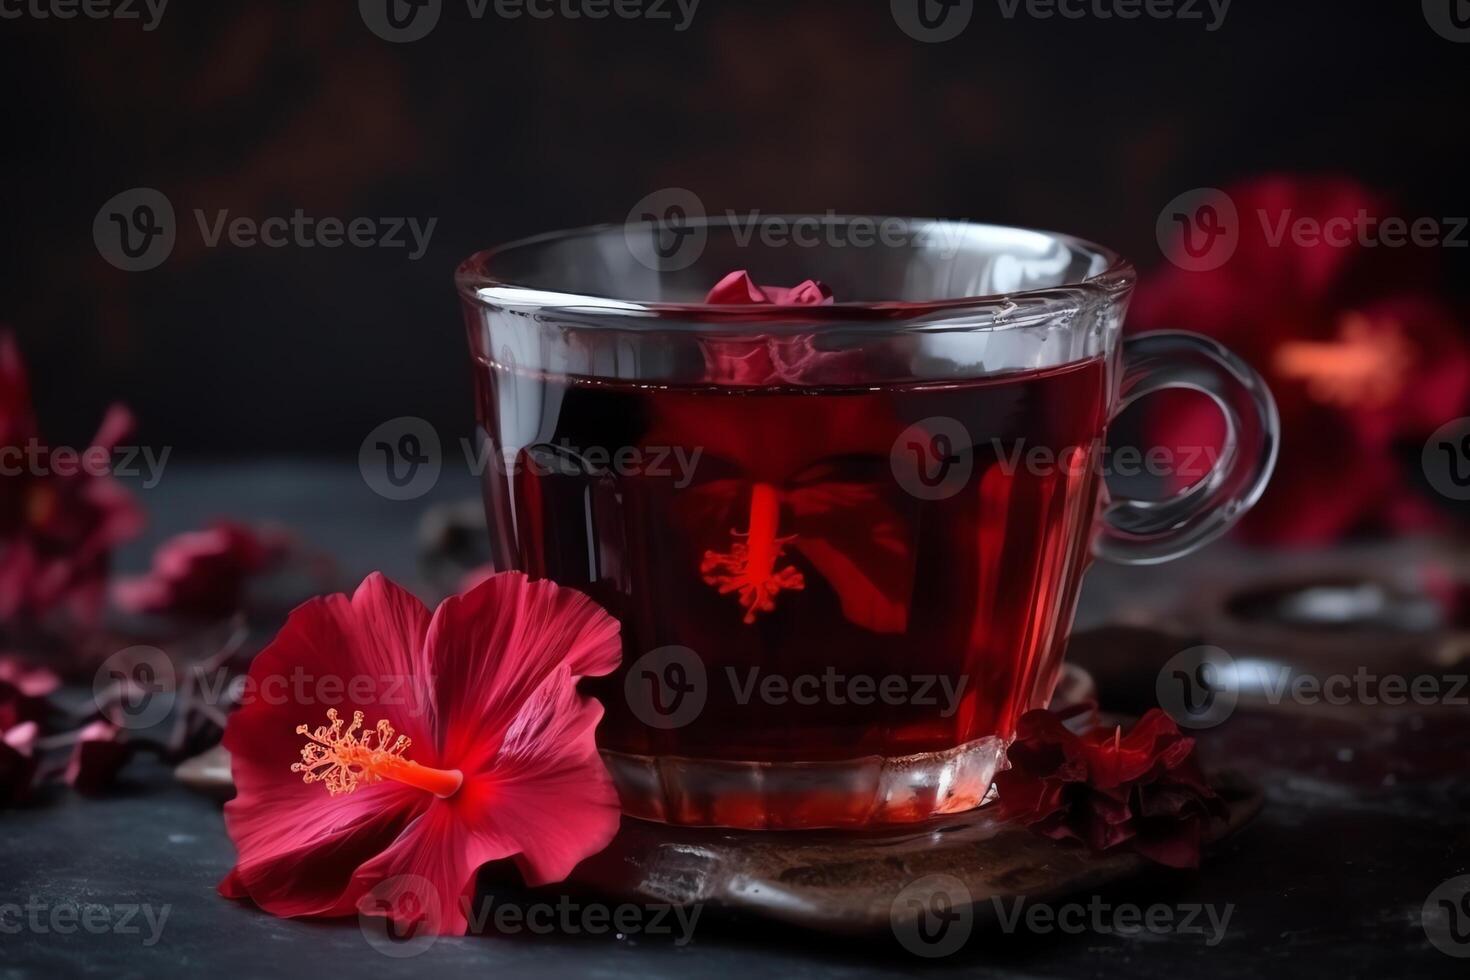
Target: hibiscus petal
<point>490,649</point>
<point>427,876</point>
<point>553,794</point>
<point>293,867</point>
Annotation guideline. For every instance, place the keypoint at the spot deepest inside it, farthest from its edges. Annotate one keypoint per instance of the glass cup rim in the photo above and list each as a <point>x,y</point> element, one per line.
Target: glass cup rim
<point>478,283</point>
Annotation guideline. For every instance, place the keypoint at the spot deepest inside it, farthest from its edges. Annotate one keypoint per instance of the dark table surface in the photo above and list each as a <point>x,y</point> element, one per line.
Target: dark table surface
<point>1365,817</point>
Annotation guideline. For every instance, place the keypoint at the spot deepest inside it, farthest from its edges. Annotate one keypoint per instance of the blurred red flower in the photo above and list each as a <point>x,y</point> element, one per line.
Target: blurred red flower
<point>478,747</point>
<point>60,517</point>
<point>24,688</point>
<point>1106,789</point>
<point>202,573</point>
<point>1361,358</point>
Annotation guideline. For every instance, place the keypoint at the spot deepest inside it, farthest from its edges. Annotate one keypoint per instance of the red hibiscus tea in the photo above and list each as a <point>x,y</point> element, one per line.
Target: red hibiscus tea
<point>839,577</point>
<point>843,522</point>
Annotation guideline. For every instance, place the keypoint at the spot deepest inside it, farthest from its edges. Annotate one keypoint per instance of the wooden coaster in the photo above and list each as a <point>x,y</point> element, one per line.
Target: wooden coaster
<point>852,883</point>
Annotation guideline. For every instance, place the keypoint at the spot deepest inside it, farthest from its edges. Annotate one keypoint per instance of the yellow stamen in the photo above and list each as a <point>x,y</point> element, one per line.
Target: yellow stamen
<point>345,760</point>
<point>749,568</point>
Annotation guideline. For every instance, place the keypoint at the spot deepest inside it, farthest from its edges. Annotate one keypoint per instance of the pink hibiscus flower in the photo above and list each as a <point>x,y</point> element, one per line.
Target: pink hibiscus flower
<point>468,743</point>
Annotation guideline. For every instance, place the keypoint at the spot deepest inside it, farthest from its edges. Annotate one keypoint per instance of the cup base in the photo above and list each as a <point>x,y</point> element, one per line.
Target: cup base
<point>870,791</point>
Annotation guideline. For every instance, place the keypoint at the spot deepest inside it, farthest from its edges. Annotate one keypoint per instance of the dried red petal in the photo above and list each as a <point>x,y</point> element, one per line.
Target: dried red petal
<point>17,762</point>
<point>1106,788</point>
<point>97,757</point>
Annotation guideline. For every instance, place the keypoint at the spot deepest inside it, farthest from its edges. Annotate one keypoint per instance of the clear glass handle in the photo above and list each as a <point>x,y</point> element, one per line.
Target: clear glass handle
<point>1146,532</point>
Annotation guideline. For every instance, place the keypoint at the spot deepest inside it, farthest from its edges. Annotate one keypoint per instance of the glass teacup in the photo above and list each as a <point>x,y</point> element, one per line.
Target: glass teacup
<point>845,541</point>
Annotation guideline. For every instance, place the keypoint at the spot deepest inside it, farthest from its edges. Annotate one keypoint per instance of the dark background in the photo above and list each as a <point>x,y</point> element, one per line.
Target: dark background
<point>501,129</point>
